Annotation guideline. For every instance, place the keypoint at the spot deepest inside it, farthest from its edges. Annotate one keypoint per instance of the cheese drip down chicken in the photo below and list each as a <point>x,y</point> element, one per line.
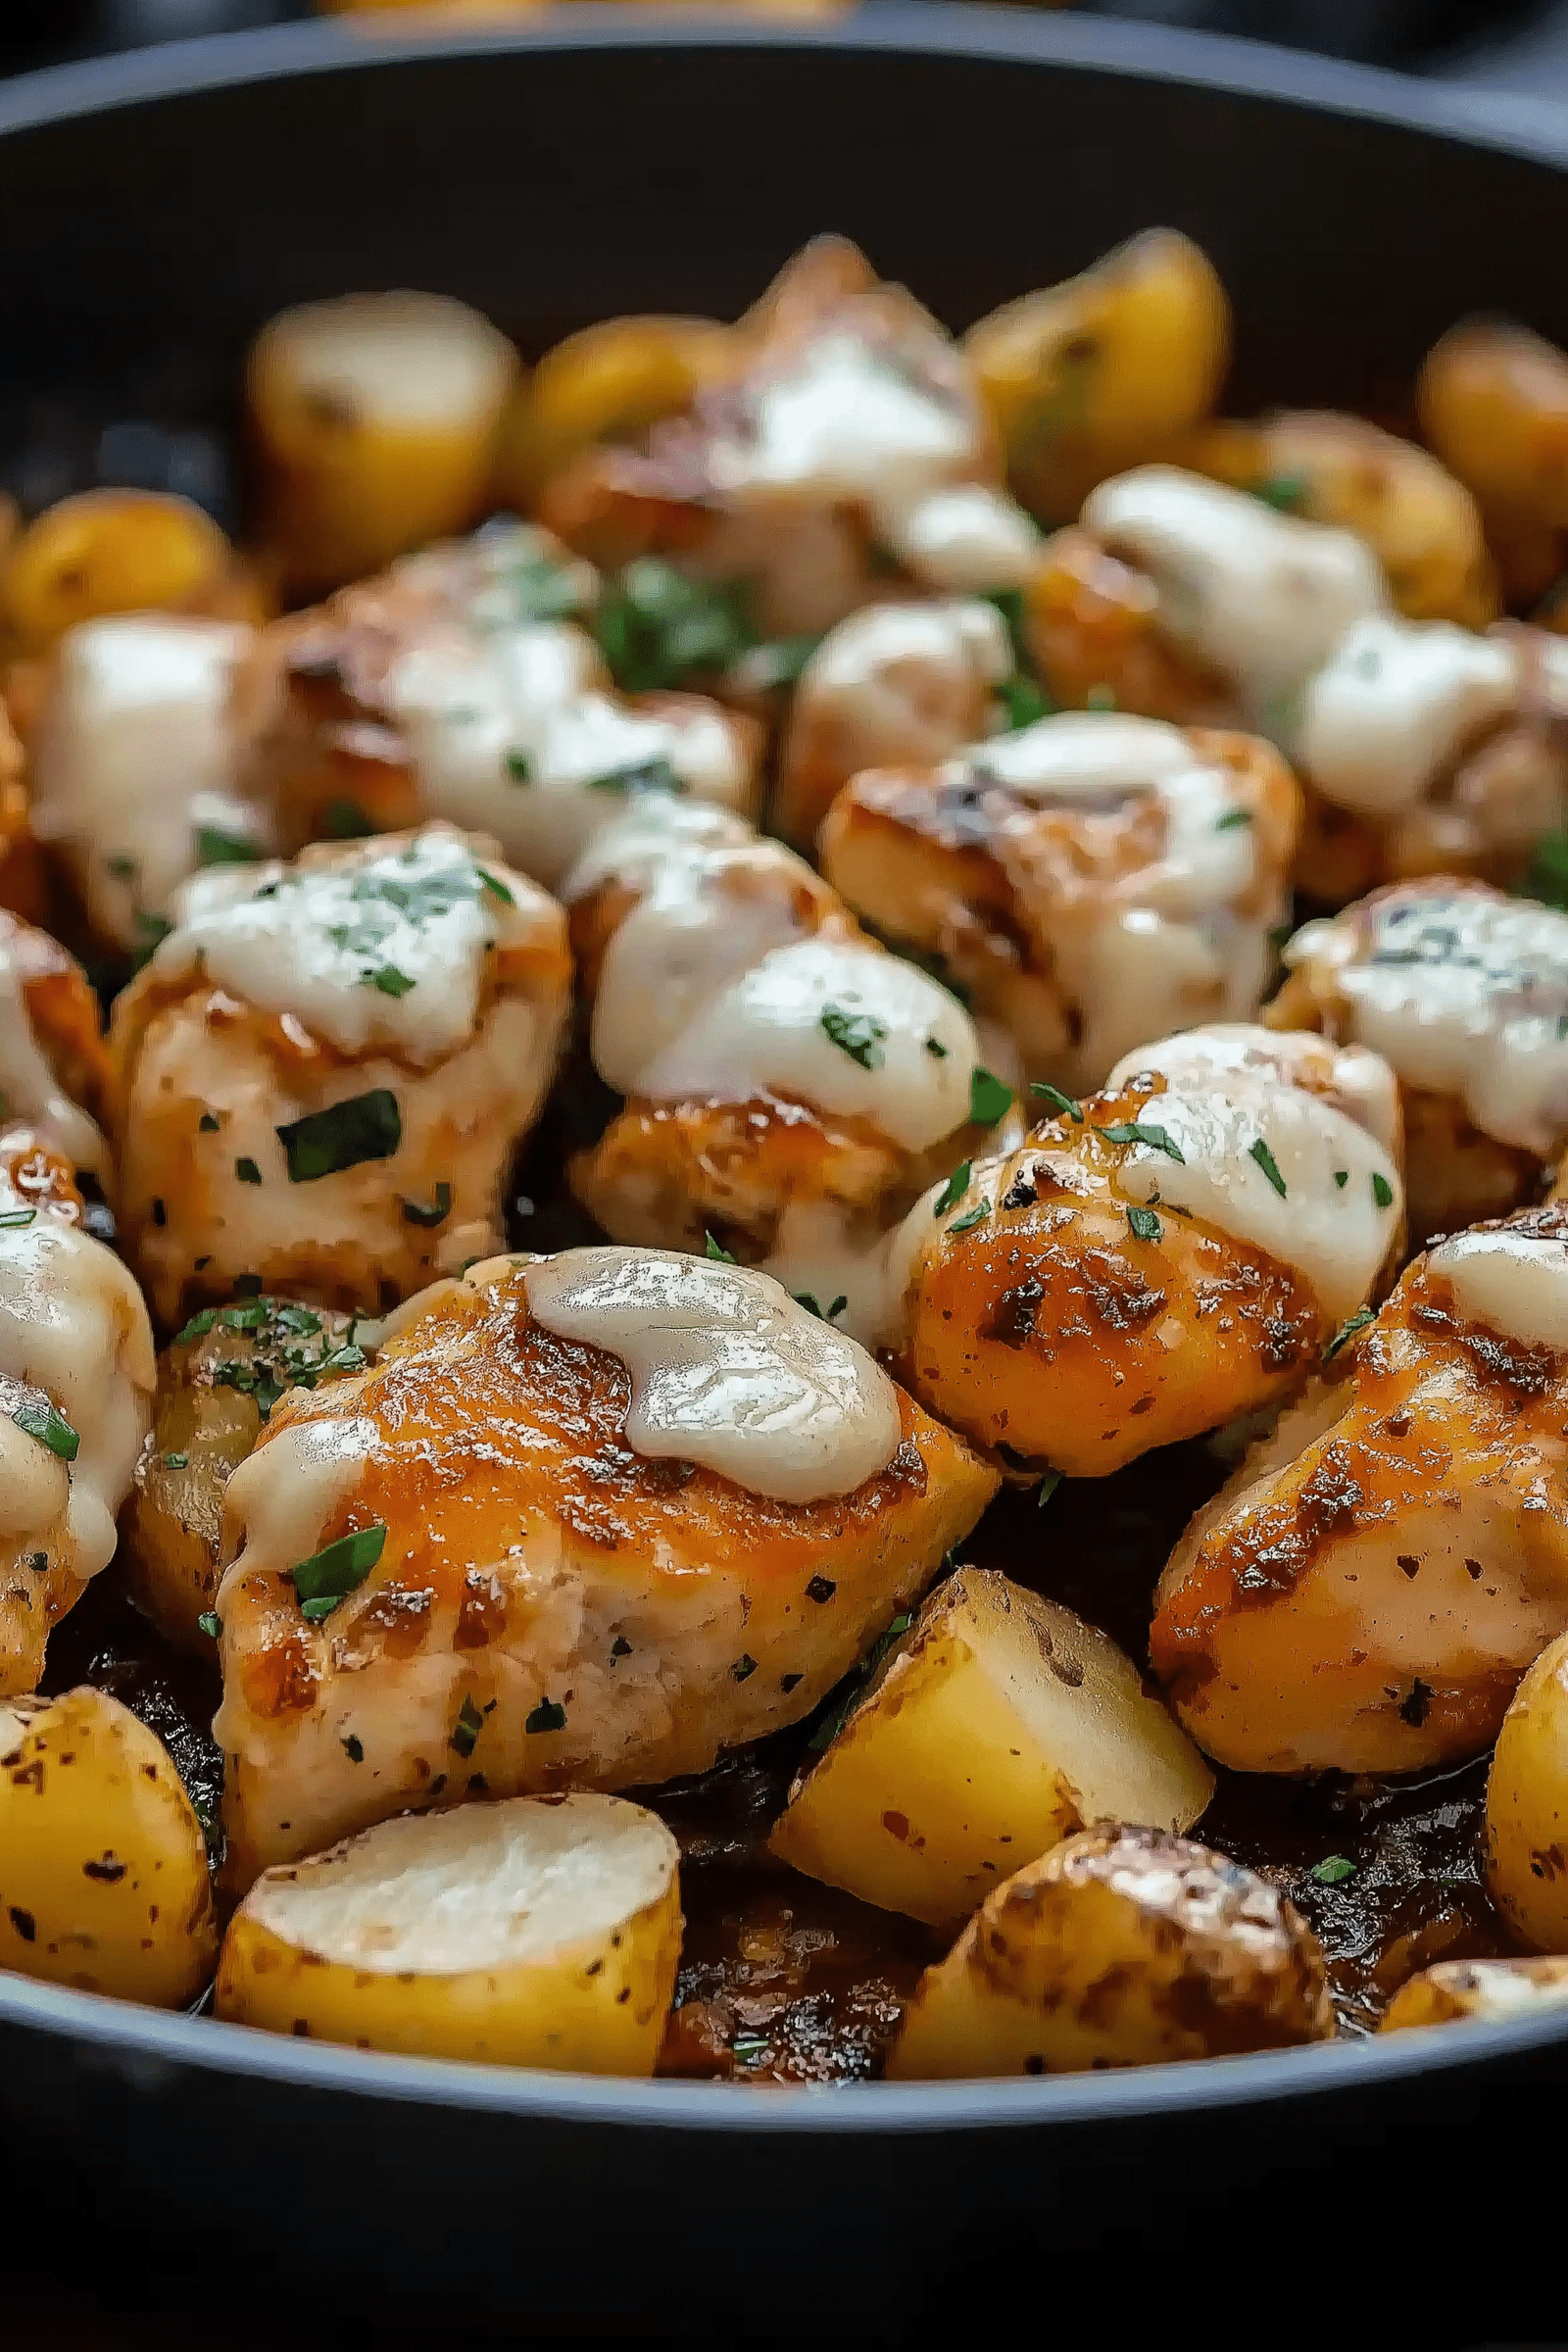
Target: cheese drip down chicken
<point>587,1522</point>
<point>1464,994</point>
<point>1089,881</point>
<point>324,1069</point>
<point>1424,747</point>
<point>76,1381</point>
<point>460,685</point>
<point>54,1071</point>
<point>1154,1261</point>
<point>1370,1587</point>
<point>791,1087</point>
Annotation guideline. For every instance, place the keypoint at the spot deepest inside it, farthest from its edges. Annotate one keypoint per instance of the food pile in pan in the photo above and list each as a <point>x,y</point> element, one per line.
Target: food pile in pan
<point>1027,921</point>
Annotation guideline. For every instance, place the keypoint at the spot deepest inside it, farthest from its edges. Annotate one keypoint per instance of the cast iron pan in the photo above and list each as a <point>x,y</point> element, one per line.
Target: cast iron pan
<point>165,202</point>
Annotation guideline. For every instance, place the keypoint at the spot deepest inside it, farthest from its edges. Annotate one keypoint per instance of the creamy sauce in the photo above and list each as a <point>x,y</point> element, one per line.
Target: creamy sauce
<point>968,539</point>
<point>1356,1081</point>
<point>135,754</point>
<point>1464,993</point>
<point>633,852</point>
<point>725,1369</point>
<point>1395,704</point>
<point>1335,1235</point>
<point>1514,1283</point>
<point>371,948</point>
<point>834,1023</point>
<point>278,1504</point>
<point>29,1091</point>
<point>407,360</point>
<point>485,581</point>
<point>907,683</point>
<point>1263,598</point>
<point>821,1253</point>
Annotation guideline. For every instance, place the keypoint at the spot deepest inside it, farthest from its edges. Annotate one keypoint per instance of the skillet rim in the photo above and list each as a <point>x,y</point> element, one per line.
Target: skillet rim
<point>150,2044</point>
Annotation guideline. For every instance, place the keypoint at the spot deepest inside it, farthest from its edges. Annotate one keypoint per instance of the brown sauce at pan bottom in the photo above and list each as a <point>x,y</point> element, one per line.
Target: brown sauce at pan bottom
<point>785,1980</point>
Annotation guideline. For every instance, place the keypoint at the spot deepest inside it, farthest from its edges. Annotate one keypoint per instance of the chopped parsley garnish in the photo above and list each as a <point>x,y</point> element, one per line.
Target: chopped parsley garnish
<point>1268,1163</point>
<point>519,767</point>
<point>744,1667</point>
<point>214,848</point>
<point>247,1171</point>
<point>1145,1224</point>
<point>954,1190</point>
<point>1347,1332</point>
<point>547,1716</point>
<point>778,663</point>
<point>212,1625</point>
<point>1023,701</point>
<point>1062,1105</point>
<point>1284,492</point>
<point>655,627</point>
<point>1232,819</point>
<point>197,1328</point>
<point>639,775</point>
<point>1342,1177</point>
<point>970,1218</point>
<point>332,1574</point>
<point>15,1217</point>
<point>749,2048</point>
<point>712,1249</point>
<point>253,1315</point>
<point>389,980</point>
<point>1049,1483</point>
<point>860,1034</point>
<point>1548,877</point>
<point>207,1123</point>
<point>1138,1131</point>
<point>299,1318</point>
<point>469,1724</point>
<point>1333,1870</point>
<point>414,1214</point>
<point>353,1747</point>
<point>936,1049</point>
<point>850,1692</point>
<point>1382,1191</point>
<point>543,589</point>
<point>495,886</point>
<point>176,1461</point>
<point>363,1127</point>
<point>989,1100</point>
<point>1009,601</point>
<point>50,1428</point>
<point>812,1305</point>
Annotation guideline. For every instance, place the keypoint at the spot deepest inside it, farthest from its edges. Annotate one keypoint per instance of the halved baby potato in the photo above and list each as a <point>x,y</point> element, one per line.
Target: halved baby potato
<point>374,419</point>
<point>1121,1947</point>
<point>999,1725</point>
<point>609,383</point>
<point>113,551</point>
<point>103,1865</point>
<point>1491,1989</point>
<point>1527,1806</point>
<point>544,1930</point>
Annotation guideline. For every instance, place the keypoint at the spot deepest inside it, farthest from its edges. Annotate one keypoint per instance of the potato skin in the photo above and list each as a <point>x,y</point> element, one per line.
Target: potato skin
<point>103,1865</point>
<point>114,551</point>
<point>1121,1947</point>
<point>1486,1989</point>
<point>608,382</point>
<point>1527,1806</point>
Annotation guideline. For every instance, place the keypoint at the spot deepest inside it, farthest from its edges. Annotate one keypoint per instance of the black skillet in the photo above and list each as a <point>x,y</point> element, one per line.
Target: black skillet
<point>153,209</point>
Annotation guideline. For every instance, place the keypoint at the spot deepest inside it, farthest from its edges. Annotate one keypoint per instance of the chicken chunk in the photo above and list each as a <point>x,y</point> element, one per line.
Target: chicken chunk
<point>1464,993</point>
<point>1492,1992</point>
<point>587,1522</point>
<point>77,1379</point>
<point>1367,1590</point>
<point>379,1022</point>
<point>1149,1265</point>
<point>458,685</point>
<point>1089,881</point>
<point>54,1071</point>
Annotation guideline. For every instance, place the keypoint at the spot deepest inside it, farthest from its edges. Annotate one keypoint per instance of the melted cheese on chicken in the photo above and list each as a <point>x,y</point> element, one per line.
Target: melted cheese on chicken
<point>968,539</point>
<point>1513,1282</point>
<point>29,1088</point>
<point>1354,1079</point>
<point>1395,704</point>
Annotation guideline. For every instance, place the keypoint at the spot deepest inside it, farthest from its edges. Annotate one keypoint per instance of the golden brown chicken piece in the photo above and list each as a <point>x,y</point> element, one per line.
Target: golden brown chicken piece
<point>587,1521</point>
<point>1090,882</point>
<point>54,1069</point>
<point>1149,1265</point>
<point>378,1022</point>
<point>76,1376</point>
<point>1368,1587</point>
<point>848,440</point>
<point>1464,993</point>
<point>458,685</point>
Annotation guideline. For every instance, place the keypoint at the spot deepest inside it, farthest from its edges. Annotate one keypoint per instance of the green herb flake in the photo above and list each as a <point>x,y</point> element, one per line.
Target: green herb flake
<point>656,628</point>
<point>954,1190</point>
<point>197,1328</point>
<point>253,1315</point>
<point>547,1716</point>
<point>299,1318</point>
<point>207,1123</point>
<point>750,2047</point>
<point>389,980</point>
<point>14,1219</point>
<point>1145,1224</point>
<point>1382,1191</point>
<point>1023,702</point>
<point>1333,1870</point>
<point>971,1218</point>
<point>330,1575</point>
<point>713,1249</point>
<point>814,1305</point>
<point>639,775</point>
<point>1268,1163</point>
<point>1062,1105</point>
<point>353,1747</point>
<point>1138,1131</point>
<point>176,1461</point>
<point>860,1034</point>
<point>1048,1486</point>
<point>495,886</point>
<point>413,1213</point>
<point>1347,1332</point>
<point>214,848</point>
<point>842,1703</point>
<point>211,1625</point>
<point>989,1100</point>
<point>359,1128</point>
<point>50,1428</point>
<point>1342,1177</point>
<point>936,1049</point>
<point>465,1730</point>
<point>519,767</point>
<point>1233,820</point>
<point>744,1668</point>
<point>247,1171</point>
<point>1284,492</point>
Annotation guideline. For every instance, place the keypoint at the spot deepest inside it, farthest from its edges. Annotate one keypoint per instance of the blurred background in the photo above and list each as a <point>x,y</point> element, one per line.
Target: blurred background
<point>1519,44</point>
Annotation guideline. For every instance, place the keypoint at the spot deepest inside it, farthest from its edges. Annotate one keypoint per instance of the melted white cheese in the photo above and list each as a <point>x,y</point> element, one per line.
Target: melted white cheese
<point>136,751</point>
<point>1464,993</point>
<point>313,938</point>
<point>1335,1235</point>
<point>1514,1283</point>
<point>821,1253</point>
<point>845,423</point>
<point>656,827</point>
<point>1263,598</point>
<point>1354,1079</point>
<point>402,360</point>
<point>774,1030</point>
<point>969,539</point>
<point>1394,706</point>
<point>280,1503</point>
<point>906,683</point>
<point>29,1091</point>
<point>725,1370</point>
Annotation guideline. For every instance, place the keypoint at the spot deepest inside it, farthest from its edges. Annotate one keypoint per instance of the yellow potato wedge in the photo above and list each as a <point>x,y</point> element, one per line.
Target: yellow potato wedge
<point>605,383</point>
<point>113,551</point>
<point>1494,404</point>
<point>999,1725</point>
<point>1491,1989</point>
<point>1109,371</point>
<point>375,419</point>
<point>103,1866</point>
<point>1121,1947</point>
<point>544,1930</point>
<point>1527,1806</point>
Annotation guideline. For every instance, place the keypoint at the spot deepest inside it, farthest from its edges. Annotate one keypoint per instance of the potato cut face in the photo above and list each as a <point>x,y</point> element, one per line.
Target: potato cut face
<point>999,1725</point>
<point>103,1865</point>
<point>1121,1947</point>
<point>1491,1989</point>
<point>1527,1806</point>
<point>538,1932</point>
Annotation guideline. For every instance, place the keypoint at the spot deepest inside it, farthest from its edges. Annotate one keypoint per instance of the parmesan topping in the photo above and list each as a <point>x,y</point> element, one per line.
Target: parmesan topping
<point>1354,1079</point>
<point>370,947</point>
<point>1396,704</point>
<point>1514,1283</point>
<point>725,1369</point>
